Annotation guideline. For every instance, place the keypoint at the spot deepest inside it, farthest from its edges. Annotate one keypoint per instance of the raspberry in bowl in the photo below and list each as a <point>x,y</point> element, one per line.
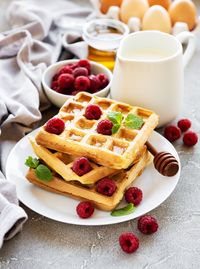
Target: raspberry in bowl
<point>64,79</point>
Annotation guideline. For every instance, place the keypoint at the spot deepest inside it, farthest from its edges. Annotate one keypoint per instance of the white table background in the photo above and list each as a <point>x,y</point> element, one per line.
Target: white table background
<point>45,243</point>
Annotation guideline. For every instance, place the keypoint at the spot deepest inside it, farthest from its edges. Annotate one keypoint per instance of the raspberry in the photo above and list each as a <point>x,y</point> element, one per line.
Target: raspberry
<point>74,92</point>
<point>73,66</point>
<point>147,224</point>
<point>55,77</point>
<point>69,91</point>
<point>54,85</point>
<point>55,126</point>
<point>82,83</point>
<point>85,210</point>
<point>128,242</point>
<point>184,124</point>
<point>93,112</point>
<point>94,83</point>
<point>65,70</point>
<point>81,166</point>
<point>133,195</point>
<point>103,80</point>
<point>65,81</point>
<point>190,138</point>
<point>59,90</point>
<point>106,186</point>
<point>80,71</point>
<point>85,63</point>
<point>105,127</point>
<point>172,133</point>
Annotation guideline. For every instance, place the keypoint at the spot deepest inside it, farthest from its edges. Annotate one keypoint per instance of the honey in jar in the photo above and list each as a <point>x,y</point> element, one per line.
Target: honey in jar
<point>103,37</point>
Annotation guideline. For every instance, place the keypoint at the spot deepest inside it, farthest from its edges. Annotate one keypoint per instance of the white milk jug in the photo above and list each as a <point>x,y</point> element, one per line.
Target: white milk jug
<point>149,71</point>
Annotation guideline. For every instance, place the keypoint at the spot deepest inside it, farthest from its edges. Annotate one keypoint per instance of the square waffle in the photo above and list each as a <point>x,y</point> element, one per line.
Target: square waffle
<point>62,163</point>
<point>123,180</point>
<point>80,137</point>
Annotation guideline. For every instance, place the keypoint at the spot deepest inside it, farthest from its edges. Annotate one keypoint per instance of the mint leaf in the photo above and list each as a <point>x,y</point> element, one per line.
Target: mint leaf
<point>123,211</point>
<point>115,128</point>
<point>43,172</point>
<point>116,118</point>
<point>133,121</point>
<point>31,162</point>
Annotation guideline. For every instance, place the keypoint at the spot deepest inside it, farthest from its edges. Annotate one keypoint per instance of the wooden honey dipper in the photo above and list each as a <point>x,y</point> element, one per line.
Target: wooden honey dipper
<point>164,162</point>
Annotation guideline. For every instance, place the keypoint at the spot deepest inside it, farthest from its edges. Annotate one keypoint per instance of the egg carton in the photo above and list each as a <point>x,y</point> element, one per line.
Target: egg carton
<point>134,23</point>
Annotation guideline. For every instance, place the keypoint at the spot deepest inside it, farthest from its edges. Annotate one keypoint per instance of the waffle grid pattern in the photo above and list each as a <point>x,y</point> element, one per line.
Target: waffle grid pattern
<point>62,164</point>
<point>81,138</point>
<point>75,189</point>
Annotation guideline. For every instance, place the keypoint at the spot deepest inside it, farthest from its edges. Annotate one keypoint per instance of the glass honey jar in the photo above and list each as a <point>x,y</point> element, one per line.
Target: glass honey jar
<point>103,37</point>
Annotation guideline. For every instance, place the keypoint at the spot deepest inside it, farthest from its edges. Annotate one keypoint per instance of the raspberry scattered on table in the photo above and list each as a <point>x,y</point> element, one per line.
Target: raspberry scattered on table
<point>147,224</point>
<point>172,133</point>
<point>190,138</point>
<point>129,242</point>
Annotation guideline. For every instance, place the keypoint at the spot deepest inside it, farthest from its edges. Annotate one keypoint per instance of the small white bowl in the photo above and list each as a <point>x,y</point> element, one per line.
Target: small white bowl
<point>59,99</point>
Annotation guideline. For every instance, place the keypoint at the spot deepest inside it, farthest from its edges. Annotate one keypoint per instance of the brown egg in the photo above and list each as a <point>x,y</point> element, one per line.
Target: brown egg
<point>133,8</point>
<point>163,3</point>
<point>105,4</point>
<point>183,11</point>
<point>156,18</point>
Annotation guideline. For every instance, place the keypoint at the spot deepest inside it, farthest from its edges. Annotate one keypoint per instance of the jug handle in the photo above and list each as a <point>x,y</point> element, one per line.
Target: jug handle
<point>190,40</point>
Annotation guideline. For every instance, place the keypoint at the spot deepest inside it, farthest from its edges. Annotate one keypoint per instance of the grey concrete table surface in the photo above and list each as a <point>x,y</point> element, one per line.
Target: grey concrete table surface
<point>45,243</point>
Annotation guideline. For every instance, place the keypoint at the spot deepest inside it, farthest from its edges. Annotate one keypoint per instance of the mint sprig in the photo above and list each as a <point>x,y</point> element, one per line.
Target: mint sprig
<point>116,118</point>
<point>32,162</point>
<point>133,121</point>
<point>42,171</point>
<point>123,211</point>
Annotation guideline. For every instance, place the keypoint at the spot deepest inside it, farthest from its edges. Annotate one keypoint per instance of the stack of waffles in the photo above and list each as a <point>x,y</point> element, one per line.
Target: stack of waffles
<point>121,156</point>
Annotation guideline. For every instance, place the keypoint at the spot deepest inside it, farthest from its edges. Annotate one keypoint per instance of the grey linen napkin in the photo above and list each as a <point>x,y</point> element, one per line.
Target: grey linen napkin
<point>26,50</point>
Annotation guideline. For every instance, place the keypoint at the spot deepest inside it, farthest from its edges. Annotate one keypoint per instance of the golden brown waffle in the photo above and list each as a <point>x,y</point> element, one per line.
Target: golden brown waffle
<point>62,163</point>
<point>75,189</point>
<point>80,137</point>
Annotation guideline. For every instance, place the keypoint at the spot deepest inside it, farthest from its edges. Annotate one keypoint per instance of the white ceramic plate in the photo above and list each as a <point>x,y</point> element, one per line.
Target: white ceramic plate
<point>156,188</point>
